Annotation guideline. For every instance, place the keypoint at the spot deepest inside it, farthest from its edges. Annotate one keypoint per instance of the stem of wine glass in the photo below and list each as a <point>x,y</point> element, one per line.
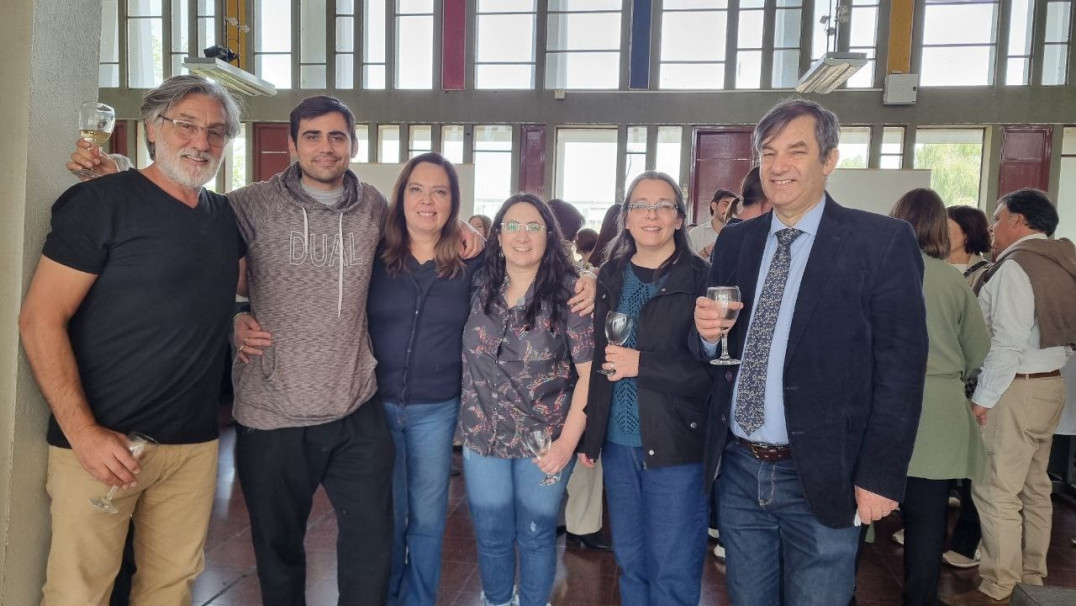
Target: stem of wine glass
<point>725,346</point>
<point>111,493</point>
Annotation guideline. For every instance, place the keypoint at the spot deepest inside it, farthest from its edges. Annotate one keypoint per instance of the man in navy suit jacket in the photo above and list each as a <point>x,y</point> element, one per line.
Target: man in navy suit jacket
<point>813,432</point>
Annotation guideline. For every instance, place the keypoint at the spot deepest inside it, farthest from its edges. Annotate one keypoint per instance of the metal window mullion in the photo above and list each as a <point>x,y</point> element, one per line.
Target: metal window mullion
<point>625,37</point>
<point>657,19</point>
<point>807,25</point>
<point>769,27</point>
<point>122,30</point>
<point>541,44</point>
<point>732,41</point>
<point>295,51</point>
<point>874,149</point>
<point>405,142</point>
<point>622,159</point>
<point>330,44</point>
<point>514,156</point>
<point>1001,43</point>
<point>470,47</point>
<point>881,44</point>
<point>166,39</point>
<point>468,143</point>
<point>438,34</point>
<point>1038,42</point>
<point>1071,64</point>
<point>919,20</point>
<point>390,44</point>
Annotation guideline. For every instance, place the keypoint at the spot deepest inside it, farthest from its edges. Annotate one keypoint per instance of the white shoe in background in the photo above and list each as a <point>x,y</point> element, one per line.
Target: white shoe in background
<point>898,537</point>
<point>957,560</point>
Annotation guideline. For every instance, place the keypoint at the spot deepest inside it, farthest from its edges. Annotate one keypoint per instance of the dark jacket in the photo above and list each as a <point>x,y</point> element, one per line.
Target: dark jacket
<point>856,358</point>
<point>417,333</point>
<point>673,384</point>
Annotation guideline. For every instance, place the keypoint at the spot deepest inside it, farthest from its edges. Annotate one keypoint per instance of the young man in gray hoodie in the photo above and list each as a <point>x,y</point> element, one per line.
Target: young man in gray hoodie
<point>306,405</point>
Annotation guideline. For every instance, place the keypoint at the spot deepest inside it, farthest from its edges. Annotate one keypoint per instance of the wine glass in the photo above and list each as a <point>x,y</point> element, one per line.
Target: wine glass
<point>618,329</point>
<point>136,444</point>
<point>95,124</point>
<point>723,295</point>
<point>538,441</point>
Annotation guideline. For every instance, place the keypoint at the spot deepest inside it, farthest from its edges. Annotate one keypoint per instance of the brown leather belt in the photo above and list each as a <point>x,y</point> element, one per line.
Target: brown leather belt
<point>765,452</point>
<point>1038,375</point>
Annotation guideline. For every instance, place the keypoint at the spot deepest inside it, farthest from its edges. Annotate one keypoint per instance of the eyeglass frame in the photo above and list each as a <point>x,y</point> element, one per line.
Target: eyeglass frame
<point>532,227</point>
<point>188,130</point>
<point>664,206</point>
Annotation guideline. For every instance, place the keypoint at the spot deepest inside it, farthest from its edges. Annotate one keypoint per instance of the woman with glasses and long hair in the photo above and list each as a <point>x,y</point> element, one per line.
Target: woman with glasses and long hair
<point>523,349</point>
<point>647,417</point>
<point>948,445</point>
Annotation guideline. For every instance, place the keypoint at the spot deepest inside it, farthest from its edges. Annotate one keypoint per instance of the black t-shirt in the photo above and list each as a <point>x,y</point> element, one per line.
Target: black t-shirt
<point>149,337</point>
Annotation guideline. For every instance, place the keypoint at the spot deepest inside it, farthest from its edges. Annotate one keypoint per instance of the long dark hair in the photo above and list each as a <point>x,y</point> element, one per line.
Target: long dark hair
<point>606,235</point>
<point>397,242</point>
<point>624,246</point>
<point>551,288</point>
<point>924,209</point>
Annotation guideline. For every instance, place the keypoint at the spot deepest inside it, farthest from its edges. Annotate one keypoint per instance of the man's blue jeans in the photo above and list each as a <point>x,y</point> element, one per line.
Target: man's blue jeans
<point>423,437</point>
<point>658,521</point>
<point>777,552</point>
<point>510,507</point>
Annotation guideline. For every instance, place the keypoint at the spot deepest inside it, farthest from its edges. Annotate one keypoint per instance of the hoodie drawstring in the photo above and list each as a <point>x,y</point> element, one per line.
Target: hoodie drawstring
<point>339,262</point>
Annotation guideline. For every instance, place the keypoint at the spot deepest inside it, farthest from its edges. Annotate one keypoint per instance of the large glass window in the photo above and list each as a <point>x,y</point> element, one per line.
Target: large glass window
<point>414,44</point>
<point>108,74</point>
<point>786,43</point>
<point>272,41</point>
<point>667,159</point>
<point>1021,21</point>
<point>207,25</point>
<point>345,44</point>
<point>955,159</point>
<point>373,49</point>
<point>959,43</point>
<point>237,161</point>
<point>1066,191</point>
<point>179,27</point>
<point>693,44</point>
<point>855,147</point>
<point>504,44</point>
<point>583,44</point>
<point>863,38</point>
<point>586,169</point>
<point>634,154</point>
<point>362,140</point>
<point>388,143</point>
<point>1055,52</point>
<point>749,44</point>
<point>312,42</point>
<point>452,142</point>
<point>420,139</point>
<point>492,168</point>
<point>145,43</point>
<point>892,148</point>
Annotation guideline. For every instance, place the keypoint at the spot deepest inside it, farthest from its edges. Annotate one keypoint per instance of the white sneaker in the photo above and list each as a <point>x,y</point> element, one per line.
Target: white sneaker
<point>898,537</point>
<point>957,560</point>
<point>719,552</point>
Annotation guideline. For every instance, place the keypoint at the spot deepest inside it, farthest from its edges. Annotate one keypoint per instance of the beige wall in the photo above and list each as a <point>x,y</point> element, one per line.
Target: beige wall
<point>49,60</point>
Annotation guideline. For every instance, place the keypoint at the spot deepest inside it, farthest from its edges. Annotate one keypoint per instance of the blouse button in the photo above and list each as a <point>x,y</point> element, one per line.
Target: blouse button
<point>651,453</point>
<point>694,425</point>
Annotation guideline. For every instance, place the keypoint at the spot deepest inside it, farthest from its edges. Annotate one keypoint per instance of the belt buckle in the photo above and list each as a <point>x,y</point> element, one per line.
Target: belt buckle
<point>758,450</point>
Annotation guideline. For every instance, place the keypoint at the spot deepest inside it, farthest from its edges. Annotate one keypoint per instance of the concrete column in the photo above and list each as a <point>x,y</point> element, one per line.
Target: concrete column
<point>49,63</point>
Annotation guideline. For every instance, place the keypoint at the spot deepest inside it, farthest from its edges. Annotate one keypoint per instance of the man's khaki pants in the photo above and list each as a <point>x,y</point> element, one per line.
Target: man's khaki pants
<point>170,508</point>
<point>1013,497</point>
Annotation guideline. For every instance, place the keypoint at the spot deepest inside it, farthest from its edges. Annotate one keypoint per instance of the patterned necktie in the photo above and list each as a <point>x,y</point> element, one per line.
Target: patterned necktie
<point>751,390</point>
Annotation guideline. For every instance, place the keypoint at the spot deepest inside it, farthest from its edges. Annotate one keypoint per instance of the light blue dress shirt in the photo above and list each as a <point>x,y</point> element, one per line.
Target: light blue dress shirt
<point>773,430</point>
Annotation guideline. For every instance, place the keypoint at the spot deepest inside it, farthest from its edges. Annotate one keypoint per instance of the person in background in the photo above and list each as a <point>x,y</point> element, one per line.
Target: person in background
<point>947,444</point>
<point>481,223</point>
<point>752,201</point>
<point>969,241</point>
<point>1027,299</point>
<point>583,507</point>
<point>647,418</point>
<point>124,326</point>
<point>610,227</point>
<point>521,343</point>
<point>584,244</point>
<point>702,236</point>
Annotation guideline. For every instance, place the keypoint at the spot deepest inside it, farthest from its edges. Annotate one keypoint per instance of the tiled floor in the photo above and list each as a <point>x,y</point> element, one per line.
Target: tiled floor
<point>584,577</point>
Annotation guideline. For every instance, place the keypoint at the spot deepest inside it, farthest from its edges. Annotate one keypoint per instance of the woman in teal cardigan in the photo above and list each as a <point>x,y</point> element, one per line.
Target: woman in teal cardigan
<point>947,445</point>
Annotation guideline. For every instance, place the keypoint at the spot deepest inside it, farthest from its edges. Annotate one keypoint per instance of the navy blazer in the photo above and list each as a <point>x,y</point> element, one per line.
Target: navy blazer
<point>856,358</point>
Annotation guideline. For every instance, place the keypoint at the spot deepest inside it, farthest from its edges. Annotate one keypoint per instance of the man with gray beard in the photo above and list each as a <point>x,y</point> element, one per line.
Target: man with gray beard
<point>124,326</point>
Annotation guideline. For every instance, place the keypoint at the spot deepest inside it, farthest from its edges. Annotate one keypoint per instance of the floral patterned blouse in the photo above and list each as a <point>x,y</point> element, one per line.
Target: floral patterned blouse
<point>516,380</point>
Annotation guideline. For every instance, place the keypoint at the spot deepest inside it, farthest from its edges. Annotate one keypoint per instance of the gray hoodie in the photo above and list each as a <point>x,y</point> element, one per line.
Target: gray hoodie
<point>309,268</point>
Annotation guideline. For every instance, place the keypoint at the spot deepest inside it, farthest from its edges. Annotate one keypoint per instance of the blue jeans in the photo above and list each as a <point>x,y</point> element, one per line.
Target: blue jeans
<point>510,507</point>
<point>423,437</point>
<point>658,525</point>
<point>777,552</point>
